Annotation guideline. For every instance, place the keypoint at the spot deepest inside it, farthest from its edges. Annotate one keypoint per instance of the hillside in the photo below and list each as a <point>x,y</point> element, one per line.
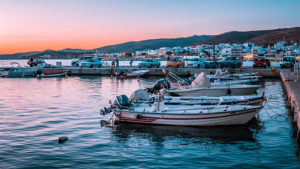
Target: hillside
<point>289,34</point>
<point>54,55</point>
<point>233,37</point>
<point>153,44</point>
<point>261,37</point>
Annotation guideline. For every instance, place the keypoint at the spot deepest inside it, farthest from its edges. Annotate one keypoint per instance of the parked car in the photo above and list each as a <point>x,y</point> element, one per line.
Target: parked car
<point>149,63</point>
<point>288,62</point>
<point>33,63</point>
<point>91,63</point>
<point>231,62</point>
<point>211,64</point>
<point>175,63</point>
<point>76,62</point>
<point>195,62</point>
<point>259,62</point>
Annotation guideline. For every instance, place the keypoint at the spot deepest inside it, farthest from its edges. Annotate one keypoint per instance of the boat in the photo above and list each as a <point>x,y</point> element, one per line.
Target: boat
<point>134,74</point>
<point>223,100</point>
<point>201,86</point>
<point>17,71</point>
<point>191,115</point>
<point>224,76</point>
<point>52,73</point>
<point>234,82</point>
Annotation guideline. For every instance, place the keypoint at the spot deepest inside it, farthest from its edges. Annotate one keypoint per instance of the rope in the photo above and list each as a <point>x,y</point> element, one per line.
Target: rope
<point>277,115</point>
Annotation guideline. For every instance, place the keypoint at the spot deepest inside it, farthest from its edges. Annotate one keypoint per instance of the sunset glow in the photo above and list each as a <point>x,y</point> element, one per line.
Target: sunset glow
<point>34,25</point>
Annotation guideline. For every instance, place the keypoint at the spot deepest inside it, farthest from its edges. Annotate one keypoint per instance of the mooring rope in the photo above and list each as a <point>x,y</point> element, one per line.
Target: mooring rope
<point>277,115</point>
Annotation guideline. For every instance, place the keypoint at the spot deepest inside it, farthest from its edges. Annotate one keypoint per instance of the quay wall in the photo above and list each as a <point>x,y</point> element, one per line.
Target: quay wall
<point>291,84</point>
<point>158,71</point>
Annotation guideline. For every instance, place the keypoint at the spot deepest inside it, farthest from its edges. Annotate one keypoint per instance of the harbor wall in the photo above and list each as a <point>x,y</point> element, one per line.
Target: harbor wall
<point>291,84</point>
<point>158,71</point>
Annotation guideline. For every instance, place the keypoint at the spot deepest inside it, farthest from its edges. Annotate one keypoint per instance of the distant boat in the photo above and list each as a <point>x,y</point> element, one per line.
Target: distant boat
<point>17,71</point>
<point>52,73</point>
<point>134,74</point>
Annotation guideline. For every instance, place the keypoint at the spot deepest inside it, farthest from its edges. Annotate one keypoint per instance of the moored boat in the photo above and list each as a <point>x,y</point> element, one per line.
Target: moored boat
<point>134,74</point>
<point>17,71</point>
<point>141,108</point>
<point>201,86</point>
<point>191,115</point>
<point>52,73</point>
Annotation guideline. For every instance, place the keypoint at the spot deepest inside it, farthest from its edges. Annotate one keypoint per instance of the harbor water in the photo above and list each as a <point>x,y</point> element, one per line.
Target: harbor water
<point>34,113</point>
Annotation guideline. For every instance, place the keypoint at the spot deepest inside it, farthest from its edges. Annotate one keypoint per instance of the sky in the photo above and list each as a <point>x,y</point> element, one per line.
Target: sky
<point>36,25</point>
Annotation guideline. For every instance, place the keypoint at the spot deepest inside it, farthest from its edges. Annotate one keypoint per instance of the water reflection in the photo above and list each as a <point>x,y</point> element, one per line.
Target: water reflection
<point>210,135</point>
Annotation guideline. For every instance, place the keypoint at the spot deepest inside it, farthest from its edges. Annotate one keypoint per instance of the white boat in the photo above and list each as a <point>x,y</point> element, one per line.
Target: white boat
<point>219,75</point>
<point>201,86</point>
<point>214,91</point>
<point>224,100</point>
<point>134,74</point>
<point>191,115</point>
<point>17,71</point>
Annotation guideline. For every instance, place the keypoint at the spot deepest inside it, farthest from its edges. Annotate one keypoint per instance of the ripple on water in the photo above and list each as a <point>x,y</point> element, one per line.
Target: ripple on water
<point>31,123</point>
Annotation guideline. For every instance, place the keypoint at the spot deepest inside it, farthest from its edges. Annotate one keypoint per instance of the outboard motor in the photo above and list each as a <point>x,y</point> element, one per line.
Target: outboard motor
<point>159,84</point>
<point>123,101</point>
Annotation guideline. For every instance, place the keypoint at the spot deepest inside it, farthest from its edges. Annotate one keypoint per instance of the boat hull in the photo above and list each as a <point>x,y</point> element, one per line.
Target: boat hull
<point>54,73</point>
<point>21,72</point>
<point>205,119</point>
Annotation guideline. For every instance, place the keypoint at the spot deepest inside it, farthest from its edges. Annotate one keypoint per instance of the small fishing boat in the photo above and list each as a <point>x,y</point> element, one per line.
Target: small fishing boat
<point>141,108</point>
<point>201,86</point>
<point>134,74</point>
<point>52,73</point>
<point>223,100</point>
<point>17,71</point>
<point>224,76</point>
<point>190,115</point>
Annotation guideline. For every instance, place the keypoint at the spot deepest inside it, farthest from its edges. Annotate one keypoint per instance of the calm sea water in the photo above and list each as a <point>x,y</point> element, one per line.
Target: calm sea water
<point>34,113</point>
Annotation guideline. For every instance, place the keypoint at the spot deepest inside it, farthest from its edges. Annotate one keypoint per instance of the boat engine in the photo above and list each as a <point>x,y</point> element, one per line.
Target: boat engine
<point>123,101</point>
<point>163,83</point>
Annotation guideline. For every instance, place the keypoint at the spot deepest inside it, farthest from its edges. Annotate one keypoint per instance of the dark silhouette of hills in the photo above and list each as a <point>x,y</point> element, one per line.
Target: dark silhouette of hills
<point>260,37</point>
<point>153,44</point>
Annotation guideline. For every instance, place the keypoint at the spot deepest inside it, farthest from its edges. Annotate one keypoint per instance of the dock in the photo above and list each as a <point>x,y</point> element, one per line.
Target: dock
<point>291,83</point>
<point>269,73</point>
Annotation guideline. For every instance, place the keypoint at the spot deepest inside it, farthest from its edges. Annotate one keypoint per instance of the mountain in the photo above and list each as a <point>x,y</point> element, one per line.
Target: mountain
<point>288,34</point>
<point>260,37</point>
<point>54,54</point>
<point>153,44</point>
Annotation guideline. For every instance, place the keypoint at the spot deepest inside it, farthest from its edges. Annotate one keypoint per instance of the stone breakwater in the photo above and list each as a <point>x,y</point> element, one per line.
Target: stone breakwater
<point>158,71</point>
<point>291,83</point>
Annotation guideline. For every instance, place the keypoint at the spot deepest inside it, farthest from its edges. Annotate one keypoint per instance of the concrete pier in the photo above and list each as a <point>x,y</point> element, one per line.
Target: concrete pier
<point>158,71</point>
<point>291,83</point>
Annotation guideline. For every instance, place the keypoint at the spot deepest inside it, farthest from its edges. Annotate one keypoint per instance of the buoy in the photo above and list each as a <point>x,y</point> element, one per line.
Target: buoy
<point>62,139</point>
<point>66,76</point>
<point>104,123</point>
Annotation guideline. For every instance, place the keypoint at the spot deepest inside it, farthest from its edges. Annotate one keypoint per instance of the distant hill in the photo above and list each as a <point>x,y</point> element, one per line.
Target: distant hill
<point>54,55</point>
<point>288,34</point>
<point>260,37</point>
<point>153,44</point>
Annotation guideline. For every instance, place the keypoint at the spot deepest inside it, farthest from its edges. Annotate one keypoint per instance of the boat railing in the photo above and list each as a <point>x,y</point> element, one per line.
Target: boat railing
<point>175,77</point>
